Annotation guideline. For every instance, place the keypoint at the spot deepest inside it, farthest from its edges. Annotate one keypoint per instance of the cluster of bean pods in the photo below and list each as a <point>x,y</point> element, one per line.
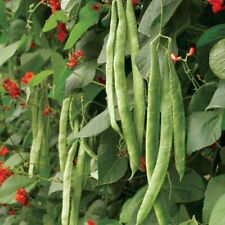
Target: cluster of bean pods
<point>165,123</point>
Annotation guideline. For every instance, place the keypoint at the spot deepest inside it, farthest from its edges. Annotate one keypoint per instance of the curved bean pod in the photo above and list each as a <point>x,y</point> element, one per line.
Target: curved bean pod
<point>153,128</point>
<point>162,163</point>
<point>63,133</point>
<point>179,129</point>
<point>122,94</point>
<point>138,82</point>
<point>110,92</point>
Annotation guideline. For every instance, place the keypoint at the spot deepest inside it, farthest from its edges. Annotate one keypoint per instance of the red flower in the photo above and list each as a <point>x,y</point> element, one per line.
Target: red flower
<point>11,212</point>
<point>27,77</point>
<point>174,57</point>
<point>55,5</point>
<point>33,45</point>
<point>142,164</point>
<point>101,80</point>
<point>96,7</point>
<point>217,5</point>
<point>135,2</point>
<point>4,151</point>
<point>4,173</point>
<point>90,222</point>
<point>22,196</point>
<point>74,58</point>
<point>47,110</point>
<point>62,32</point>
<point>11,87</point>
<point>191,51</point>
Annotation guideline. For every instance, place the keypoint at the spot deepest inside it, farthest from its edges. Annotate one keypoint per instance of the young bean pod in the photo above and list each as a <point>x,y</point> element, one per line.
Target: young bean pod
<point>62,139</point>
<point>178,117</point>
<point>138,82</point>
<point>110,92</point>
<point>35,149</point>
<point>122,93</point>
<point>153,128</point>
<point>162,163</point>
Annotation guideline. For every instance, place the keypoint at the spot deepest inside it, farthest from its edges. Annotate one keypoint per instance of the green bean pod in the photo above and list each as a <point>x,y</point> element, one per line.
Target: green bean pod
<point>179,129</point>
<point>62,139</point>
<point>122,94</point>
<point>110,92</point>
<point>138,82</point>
<point>37,141</point>
<point>153,128</point>
<point>78,184</point>
<point>89,150</point>
<point>67,178</point>
<point>162,163</point>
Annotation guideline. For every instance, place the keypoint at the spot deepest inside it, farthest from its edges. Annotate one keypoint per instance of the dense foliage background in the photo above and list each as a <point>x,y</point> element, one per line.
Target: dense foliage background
<point>51,51</point>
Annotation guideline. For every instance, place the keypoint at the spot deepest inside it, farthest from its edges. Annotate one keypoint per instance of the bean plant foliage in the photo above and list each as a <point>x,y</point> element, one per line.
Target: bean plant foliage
<point>112,112</point>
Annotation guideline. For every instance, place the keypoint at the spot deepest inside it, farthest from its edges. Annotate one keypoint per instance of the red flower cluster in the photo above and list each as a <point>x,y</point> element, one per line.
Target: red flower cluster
<point>11,87</point>
<point>55,5</point>
<point>11,212</point>
<point>22,196</point>
<point>27,77</point>
<point>142,164</point>
<point>74,58</point>
<point>96,7</point>
<point>135,2</point>
<point>90,222</point>
<point>191,51</point>
<point>47,110</point>
<point>4,151</point>
<point>62,32</point>
<point>217,5</point>
<point>4,173</point>
<point>101,80</point>
<point>175,58</point>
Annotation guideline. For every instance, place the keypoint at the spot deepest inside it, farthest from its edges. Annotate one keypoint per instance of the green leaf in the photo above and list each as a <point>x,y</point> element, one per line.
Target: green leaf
<point>38,78</point>
<point>80,77</point>
<point>110,167</point>
<point>61,73</point>
<point>3,21</point>
<point>53,20</point>
<point>202,97</point>
<point>17,30</point>
<point>214,191</point>
<point>87,18</point>
<point>150,22</point>
<point>69,5</point>
<point>7,52</point>
<point>34,61</point>
<point>12,184</point>
<point>48,220</point>
<point>15,159</point>
<point>55,185</point>
<point>193,221</point>
<point>190,189</point>
<point>108,222</point>
<point>218,217</point>
<point>218,100</point>
<point>217,59</point>
<point>95,126</point>
<point>204,128</point>
<point>211,35</point>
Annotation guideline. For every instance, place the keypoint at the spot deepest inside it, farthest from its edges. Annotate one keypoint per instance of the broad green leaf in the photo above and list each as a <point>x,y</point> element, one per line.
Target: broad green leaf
<point>211,35</point>
<point>214,191</point>
<point>202,97</point>
<point>110,167</point>
<point>190,189</point>
<point>7,52</point>
<point>217,59</point>
<point>34,61</point>
<point>53,20</point>
<point>12,220</point>
<point>17,30</point>
<point>80,77</point>
<point>193,221</point>
<point>61,73</point>
<point>48,220</point>
<point>218,217</point>
<point>56,185</point>
<point>204,128</point>
<point>3,21</point>
<point>87,18</point>
<point>38,78</point>
<point>12,184</point>
<point>150,22</point>
<point>218,100</point>
<point>95,126</point>
<point>108,222</point>
<point>15,159</point>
